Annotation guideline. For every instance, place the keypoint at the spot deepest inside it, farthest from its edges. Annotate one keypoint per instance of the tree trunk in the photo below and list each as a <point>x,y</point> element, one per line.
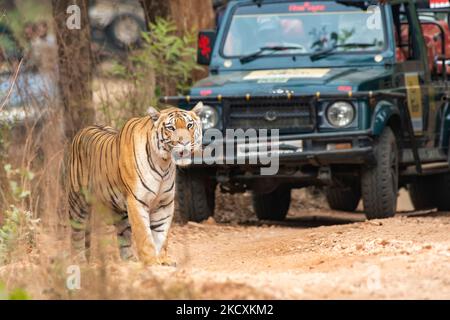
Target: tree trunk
<point>192,15</point>
<point>189,15</point>
<point>74,66</point>
<point>155,8</point>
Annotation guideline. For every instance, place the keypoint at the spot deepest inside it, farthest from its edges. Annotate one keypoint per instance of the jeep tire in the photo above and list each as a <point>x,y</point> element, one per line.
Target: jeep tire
<point>422,193</point>
<point>273,205</point>
<point>379,183</point>
<point>344,198</point>
<point>195,195</point>
<point>442,191</point>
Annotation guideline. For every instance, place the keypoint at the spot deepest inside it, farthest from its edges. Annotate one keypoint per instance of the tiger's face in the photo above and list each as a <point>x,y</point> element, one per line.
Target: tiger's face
<point>177,134</point>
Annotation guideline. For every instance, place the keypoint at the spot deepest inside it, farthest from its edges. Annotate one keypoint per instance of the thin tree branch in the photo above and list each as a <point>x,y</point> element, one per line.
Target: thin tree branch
<point>11,87</point>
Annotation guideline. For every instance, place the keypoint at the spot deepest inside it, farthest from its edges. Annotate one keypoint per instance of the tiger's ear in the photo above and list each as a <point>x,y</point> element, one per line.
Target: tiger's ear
<point>153,113</point>
<point>198,108</point>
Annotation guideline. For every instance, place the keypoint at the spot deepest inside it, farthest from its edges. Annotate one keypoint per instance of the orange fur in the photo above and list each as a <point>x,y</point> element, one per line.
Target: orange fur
<point>131,172</point>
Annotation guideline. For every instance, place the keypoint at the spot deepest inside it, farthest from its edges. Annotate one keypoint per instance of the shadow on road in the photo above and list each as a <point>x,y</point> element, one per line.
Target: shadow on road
<point>331,218</point>
<point>426,214</point>
<point>313,220</point>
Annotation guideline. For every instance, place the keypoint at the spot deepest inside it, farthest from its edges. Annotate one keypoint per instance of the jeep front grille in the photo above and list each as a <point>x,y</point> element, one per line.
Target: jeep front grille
<point>286,115</point>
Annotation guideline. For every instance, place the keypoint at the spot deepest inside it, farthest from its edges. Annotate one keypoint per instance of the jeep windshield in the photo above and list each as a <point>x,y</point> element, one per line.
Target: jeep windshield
<point>314,28</point>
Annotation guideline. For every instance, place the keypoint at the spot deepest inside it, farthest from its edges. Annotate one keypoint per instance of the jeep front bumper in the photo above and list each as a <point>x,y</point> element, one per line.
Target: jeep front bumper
<point>318,149</point>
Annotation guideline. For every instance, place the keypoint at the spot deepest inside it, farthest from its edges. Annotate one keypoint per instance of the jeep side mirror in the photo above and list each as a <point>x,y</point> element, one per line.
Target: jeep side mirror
<point>205,46</point>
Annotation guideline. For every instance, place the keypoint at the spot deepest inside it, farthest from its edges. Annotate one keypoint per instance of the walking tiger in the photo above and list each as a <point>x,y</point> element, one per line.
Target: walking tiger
<point>131,172</point>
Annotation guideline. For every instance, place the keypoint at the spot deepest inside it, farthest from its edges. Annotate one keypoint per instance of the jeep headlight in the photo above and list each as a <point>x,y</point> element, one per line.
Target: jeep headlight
<point>340,114</point>
<point>208,117</point>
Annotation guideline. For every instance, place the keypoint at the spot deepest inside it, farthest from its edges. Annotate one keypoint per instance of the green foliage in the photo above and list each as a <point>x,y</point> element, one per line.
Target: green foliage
<point>19,227</point>
<point>164,65</point>
<point>16,294</point>
<point>17,181</point>
<point>171,56</point>
<point>30,11</point>
<point>17,232</point>
<point>165,53</point>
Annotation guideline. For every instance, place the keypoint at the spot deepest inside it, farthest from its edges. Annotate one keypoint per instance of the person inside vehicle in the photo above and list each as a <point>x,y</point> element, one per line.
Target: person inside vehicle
<point>269,31</point>
<point>274,31</point>
<point>29,31</point>
<point>42,46</point>
<point>247,36</point>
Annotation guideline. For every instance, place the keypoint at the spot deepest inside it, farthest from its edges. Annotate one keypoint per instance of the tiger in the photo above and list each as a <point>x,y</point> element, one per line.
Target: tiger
<point>131,173</point>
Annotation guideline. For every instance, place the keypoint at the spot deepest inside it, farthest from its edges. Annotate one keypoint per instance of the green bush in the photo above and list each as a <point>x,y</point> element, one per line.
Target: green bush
<point>172,57</point>
<point>18,230</point>
<point>163,66</point>
<point>17,234</point>
<point>16,294</point>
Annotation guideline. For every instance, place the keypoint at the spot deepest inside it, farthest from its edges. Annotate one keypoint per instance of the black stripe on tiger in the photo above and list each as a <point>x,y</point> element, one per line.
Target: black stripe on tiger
<point>107,167</point>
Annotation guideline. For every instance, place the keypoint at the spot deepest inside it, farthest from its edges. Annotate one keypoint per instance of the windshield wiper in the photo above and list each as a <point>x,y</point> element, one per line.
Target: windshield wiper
<point>326,52</point>
<point>260,52</point>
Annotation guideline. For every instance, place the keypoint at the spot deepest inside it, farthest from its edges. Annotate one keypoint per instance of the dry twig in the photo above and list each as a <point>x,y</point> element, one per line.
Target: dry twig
<point>11,87</point>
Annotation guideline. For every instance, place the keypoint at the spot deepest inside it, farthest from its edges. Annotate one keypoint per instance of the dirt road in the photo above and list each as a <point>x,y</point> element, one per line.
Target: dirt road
<point>314,254</point>
<point>318,254</point>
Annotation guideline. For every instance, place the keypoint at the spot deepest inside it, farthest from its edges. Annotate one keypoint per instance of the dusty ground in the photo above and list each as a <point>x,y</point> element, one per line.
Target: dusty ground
<point>314,254</point>
<point>320,254</point>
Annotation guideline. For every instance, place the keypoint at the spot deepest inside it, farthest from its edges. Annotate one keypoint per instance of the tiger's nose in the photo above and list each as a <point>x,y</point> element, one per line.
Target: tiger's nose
<point>184,142</point>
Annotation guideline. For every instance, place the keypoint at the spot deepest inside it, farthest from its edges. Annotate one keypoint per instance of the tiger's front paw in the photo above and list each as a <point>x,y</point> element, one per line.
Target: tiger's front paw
<point>167,262</point>
<point>147,259</point>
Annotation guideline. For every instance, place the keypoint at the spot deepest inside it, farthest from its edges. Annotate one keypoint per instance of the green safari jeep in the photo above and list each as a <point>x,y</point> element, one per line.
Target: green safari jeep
<point>354,93</point>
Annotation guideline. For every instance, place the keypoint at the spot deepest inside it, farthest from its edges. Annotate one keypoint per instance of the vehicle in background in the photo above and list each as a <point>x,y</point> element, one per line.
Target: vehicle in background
<point>116,26</point>
<point>24,100</point>
<point>357,91</point>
